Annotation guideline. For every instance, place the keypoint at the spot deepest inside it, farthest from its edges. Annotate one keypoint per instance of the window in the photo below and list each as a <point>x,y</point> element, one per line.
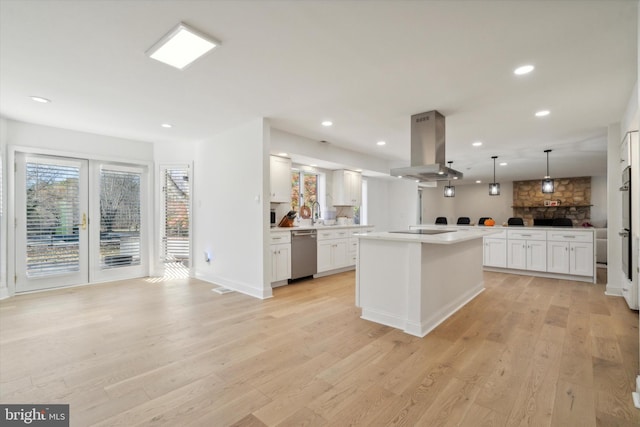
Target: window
<point>304,189</point>
<point>119,218</point>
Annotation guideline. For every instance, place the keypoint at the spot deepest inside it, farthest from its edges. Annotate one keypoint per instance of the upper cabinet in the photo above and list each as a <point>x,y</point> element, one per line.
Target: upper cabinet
<point>280,179</point>
<point>347,188</point>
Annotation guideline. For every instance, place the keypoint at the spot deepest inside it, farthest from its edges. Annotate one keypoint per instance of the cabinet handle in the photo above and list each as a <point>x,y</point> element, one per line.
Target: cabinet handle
<point>276,238</point>
<point>569,237</point>
<point>526,235</point>
<point>625,289</point>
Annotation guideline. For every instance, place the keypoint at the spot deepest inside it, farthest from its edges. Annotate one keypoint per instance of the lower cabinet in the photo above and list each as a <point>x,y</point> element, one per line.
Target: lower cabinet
<point>495,252</point>
<point>556,251</point>
<point>570,258</point>
<point>280,262</point>
<point>527,255</point>
<point>333,254</point>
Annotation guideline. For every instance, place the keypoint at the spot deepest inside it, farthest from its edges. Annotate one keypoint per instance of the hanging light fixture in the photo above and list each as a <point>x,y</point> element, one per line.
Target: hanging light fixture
<point>547,182</point>
<point>494,187</point>
<point>449,190</point>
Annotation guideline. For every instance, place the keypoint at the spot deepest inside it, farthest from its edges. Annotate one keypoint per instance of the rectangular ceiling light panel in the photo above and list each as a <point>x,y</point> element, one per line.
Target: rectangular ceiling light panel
<point>181,46</point>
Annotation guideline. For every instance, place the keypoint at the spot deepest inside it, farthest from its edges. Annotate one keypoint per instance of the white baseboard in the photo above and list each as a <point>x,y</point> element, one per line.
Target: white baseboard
<point>613,291</point>
<point>243,288</point>
<point>4,293</point>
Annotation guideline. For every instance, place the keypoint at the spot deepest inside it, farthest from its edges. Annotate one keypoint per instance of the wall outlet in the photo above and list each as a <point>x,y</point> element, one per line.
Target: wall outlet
<point>207,257</point>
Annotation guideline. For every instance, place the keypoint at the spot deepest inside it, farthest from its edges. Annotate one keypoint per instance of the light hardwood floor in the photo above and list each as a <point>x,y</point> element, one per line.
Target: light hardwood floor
<point>527,351</point>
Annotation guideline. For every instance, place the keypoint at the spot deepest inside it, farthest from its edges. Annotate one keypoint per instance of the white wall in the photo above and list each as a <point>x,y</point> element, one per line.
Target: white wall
<point>4,292</point>
<point>296,144</point>
<point>76,144</point>
<point>378,203</point>
<point>599,201</point>
<point>231,206</point>
<point>471,200</point>
<point>393,203</point>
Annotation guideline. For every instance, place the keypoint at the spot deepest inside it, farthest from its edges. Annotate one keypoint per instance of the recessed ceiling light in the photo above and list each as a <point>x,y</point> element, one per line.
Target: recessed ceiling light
<point>525,69</point>
<point>313,165</point>
<point>40,99</point>
<point>381,143</point>
<point>478,182</point>
<point>477,144</point>
<point>181,46</point>
<point>399,176</point>
<point>358,170</point>
<point>543,113</point>
<point>455,177</point>
<point>327,123</point>
<point>503,164</point>
<point>166,125</point>
<point>282,154</point>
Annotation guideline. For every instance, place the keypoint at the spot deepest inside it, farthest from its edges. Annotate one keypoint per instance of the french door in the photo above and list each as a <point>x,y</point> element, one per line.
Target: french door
<point>52,203</point>
<point>77,222</point>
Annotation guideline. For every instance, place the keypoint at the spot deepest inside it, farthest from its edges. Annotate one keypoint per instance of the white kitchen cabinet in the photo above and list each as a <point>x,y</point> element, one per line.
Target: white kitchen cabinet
<point>280,173</point>
<point>333,254</point>
<point>527,250</point>
<point>570,258</point>
<point>280,256</point>
<point>347,188</point>
<point>334,249</point>
<point>570,252</point>
<point>495,252</point>
<point>280,262</point>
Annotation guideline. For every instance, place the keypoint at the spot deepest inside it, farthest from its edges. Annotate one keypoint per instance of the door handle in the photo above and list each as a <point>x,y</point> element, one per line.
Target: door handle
<point>623,233</point>
<point>83,224</point>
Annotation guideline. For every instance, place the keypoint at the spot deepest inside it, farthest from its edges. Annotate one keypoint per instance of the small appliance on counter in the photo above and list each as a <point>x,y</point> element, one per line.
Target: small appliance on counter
<point>287,220</point>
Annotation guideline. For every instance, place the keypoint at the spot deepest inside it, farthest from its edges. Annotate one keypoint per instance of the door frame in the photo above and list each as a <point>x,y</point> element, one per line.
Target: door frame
<point>12,150</point>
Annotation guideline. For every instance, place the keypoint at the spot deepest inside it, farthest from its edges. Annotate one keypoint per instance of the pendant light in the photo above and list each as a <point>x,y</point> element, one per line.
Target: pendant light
<point>449,190</point>
<point>494,187</point>
<point>547,182</point>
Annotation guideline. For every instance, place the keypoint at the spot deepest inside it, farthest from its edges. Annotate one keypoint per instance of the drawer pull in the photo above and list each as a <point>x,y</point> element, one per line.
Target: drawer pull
<point>276,238</point>
<point>526,235</point>
<point>569,237</point>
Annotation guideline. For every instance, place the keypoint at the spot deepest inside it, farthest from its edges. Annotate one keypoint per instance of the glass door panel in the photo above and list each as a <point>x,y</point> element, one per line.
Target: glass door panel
<point>51,222</point>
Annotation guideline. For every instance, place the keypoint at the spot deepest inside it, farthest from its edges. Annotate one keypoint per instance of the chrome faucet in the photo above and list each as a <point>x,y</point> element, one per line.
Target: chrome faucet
<point>315,213</point>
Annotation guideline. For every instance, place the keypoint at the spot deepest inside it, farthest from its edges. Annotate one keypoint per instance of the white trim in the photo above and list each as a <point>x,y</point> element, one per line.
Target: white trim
<point>588,279</point>
<point>244,288</point>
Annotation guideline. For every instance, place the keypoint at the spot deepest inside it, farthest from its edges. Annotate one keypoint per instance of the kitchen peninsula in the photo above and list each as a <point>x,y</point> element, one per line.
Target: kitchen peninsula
<point>414,281</point>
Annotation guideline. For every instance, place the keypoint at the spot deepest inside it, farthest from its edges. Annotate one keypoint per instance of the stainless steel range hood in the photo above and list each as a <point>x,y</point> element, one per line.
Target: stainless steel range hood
<point>427,150</point>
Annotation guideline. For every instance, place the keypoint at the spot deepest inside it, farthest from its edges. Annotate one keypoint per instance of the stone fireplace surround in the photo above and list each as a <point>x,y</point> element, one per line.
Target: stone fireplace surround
<point>573,195</point>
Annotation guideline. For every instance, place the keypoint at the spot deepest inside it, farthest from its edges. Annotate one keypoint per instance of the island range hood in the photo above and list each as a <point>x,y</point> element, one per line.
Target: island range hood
<point>427,150</point>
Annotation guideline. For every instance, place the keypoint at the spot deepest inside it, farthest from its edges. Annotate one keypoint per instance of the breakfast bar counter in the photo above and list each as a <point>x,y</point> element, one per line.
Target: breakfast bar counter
<point>413,281</point>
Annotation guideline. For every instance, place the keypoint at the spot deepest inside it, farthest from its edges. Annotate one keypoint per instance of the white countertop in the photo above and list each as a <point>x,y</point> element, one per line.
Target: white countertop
<point>457,235</point>
<point>318,227</point>
<point>500,227</point>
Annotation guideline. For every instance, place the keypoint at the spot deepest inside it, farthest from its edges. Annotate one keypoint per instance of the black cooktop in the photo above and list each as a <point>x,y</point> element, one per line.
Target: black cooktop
<point>423,231</point>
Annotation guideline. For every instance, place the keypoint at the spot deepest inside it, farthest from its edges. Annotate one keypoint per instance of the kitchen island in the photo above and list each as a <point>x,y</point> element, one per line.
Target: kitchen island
<point>414,282</point>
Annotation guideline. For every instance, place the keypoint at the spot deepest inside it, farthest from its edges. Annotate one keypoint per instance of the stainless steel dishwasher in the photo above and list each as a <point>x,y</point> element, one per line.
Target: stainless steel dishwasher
<point>304,250</point>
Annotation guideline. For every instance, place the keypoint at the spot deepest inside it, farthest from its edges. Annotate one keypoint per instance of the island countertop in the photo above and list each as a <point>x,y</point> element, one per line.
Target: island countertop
<point>453,235</point>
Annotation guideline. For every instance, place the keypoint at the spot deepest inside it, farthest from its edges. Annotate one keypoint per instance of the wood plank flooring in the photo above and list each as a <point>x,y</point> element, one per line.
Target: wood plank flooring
<point>527,351</point>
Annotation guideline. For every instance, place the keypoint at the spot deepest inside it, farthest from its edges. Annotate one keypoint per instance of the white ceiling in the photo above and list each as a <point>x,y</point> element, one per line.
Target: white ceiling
<point>365,65</point>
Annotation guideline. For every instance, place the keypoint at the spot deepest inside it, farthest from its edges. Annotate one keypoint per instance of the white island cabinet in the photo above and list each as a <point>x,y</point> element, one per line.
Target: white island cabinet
<point>414,282</point>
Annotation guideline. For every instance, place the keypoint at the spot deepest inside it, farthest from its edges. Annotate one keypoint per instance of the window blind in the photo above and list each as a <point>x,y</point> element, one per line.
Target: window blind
<point>176,207</point>
<point>52,213</point>
<point>119,219</point>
